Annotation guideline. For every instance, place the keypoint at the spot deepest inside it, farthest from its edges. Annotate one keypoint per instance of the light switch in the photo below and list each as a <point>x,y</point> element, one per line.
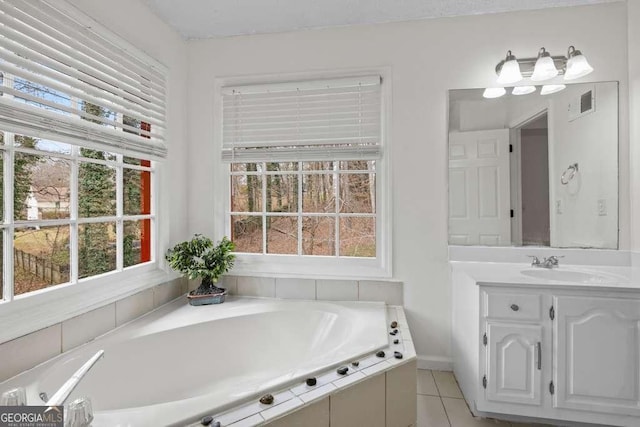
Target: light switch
<point>559,207</point>
<point>602,207</point>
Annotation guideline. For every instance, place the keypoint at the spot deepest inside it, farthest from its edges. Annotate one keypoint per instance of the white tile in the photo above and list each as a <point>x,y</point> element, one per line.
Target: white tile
<point>30,350</point>
<point>349,379</point>
<point>447,385</point>
<point>81,329</point>
<point>289,288</point>
<point>238,414</point>
<point>251,421</point>
<point>256,286</point>
<point>230,283</point>
<point>251,408</point>
<point>166,292</point>
<point>317,393</point>
<point>460,416</point>
<point>337,290</point>
<point>369,361</point>
<point>431,412</point>
<point>134,306</point>
<point>389,292</point>
<point>379,367</point>
<point>278,410</point>
<point>426,383</point>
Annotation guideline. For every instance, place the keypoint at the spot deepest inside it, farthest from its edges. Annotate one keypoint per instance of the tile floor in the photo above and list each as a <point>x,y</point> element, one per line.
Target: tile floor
<point>440,404</point>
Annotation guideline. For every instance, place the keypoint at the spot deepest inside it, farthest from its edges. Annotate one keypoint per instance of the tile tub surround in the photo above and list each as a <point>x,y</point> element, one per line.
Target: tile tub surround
<point>311,289</point>
<point>378,392</point>
<point>28,351</point>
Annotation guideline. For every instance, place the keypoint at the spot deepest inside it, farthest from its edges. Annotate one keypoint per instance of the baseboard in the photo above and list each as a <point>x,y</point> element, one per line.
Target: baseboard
<point>436,363</point>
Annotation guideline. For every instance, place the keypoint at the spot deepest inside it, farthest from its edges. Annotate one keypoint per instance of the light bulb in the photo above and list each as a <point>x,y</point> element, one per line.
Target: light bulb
<point>549,89</point>
<point>510,71</point>
<point>494,92</point>
<point>523,90</point>
<point>545,68</point>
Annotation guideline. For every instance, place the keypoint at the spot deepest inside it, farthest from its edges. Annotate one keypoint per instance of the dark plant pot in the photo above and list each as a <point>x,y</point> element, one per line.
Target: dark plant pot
<point>206,299</point>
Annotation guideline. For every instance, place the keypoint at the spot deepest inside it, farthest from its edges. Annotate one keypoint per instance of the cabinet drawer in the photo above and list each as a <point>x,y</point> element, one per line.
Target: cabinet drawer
<point>512,305</point>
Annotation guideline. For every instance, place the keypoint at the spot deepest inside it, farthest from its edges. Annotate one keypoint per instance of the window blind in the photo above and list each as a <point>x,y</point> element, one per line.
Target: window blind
<point>337,119</point>
<point>68,79</point>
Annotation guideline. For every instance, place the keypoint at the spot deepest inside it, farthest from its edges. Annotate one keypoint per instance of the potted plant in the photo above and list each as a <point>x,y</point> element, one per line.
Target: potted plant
<point>201,258</point>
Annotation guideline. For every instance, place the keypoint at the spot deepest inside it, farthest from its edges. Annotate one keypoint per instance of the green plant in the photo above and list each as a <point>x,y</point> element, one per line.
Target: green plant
<point>201,258</point>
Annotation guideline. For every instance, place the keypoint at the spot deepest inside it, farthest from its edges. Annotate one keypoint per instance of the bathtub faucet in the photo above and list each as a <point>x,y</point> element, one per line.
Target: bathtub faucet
<point>60,396</point>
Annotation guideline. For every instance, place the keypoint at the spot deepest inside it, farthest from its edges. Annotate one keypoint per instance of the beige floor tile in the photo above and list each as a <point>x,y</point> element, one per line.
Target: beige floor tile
<point>447,385</point>
<point>460,416</point>
<point>426,383</point>
<point>431,412</point>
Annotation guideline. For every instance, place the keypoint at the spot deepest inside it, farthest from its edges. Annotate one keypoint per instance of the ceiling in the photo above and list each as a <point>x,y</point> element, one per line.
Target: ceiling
<point>196,19</point>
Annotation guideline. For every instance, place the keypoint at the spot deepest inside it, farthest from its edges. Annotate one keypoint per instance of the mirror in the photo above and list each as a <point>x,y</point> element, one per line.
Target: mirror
<point>534,170</point>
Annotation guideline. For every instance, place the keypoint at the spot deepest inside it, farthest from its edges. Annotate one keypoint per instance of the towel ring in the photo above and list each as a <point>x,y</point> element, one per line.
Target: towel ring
<point>569,174</point>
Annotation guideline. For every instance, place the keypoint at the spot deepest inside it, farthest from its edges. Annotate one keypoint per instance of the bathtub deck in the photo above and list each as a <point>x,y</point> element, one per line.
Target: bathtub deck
<point>303,405</point>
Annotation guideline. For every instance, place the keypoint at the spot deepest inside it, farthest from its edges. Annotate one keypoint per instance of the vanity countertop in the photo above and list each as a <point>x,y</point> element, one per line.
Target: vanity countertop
<point>581,276</point>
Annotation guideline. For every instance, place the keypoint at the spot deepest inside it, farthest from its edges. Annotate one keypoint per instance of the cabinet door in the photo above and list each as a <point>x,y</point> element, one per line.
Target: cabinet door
<point>597,354</point>
<point>514,363</point>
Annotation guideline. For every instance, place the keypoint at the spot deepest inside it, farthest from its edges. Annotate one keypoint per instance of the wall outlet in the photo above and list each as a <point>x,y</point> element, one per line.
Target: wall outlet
<point>559,207</point>
<point>602,207</point>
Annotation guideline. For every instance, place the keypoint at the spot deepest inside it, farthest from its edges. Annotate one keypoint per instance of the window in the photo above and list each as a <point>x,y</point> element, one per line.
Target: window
<point>305,172</point>
<point>82,118</point>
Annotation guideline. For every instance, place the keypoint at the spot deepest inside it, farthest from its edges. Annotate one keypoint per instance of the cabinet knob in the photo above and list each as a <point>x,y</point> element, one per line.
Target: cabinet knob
<point>515,307</point>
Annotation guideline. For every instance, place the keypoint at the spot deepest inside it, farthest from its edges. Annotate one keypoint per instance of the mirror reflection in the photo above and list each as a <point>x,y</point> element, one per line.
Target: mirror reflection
<point>534,170</point>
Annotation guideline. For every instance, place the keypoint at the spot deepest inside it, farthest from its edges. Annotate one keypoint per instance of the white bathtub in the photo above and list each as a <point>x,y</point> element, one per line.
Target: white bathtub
<point>179,363</point>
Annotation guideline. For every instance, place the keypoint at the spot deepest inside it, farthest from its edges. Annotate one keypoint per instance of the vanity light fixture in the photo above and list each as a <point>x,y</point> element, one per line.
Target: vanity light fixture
<point>545,67</point>
<point>549,89</point>
<point>523,90</point>
<point>494,92</point>
<point>510,70</point>
<point>577,65</point>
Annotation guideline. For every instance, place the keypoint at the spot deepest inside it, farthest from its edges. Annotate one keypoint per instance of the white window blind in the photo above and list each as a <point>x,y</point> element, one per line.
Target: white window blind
<point>337,119</point>
<point>73,81</point>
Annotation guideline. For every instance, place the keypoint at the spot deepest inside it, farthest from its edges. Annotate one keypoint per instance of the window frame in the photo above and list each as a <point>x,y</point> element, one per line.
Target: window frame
<point>310,266</point>
<point>49,307</point>
<point>57,303</point>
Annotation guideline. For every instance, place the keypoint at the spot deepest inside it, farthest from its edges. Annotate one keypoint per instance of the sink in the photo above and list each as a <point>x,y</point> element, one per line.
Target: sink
<point>573,276</point>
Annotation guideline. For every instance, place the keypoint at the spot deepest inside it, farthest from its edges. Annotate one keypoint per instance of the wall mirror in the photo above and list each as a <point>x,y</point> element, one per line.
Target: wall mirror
<point>534,170</point>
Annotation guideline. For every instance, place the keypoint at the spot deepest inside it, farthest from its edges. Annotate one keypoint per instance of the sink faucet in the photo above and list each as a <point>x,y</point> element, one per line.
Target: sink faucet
<point>548,262</point>
<point>552,262</point>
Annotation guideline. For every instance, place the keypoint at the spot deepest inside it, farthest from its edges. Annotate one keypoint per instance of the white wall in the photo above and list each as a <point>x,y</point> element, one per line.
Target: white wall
<point>634,124</point>
<point>426,59</point>
<point>133,21</point>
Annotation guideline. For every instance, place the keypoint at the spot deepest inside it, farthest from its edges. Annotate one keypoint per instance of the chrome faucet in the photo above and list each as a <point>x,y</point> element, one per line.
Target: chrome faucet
<point>548,262</point>
<point>60,396</point>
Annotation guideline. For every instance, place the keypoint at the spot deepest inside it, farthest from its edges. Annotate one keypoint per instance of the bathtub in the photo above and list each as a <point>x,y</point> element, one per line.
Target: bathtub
<point>180,363</point>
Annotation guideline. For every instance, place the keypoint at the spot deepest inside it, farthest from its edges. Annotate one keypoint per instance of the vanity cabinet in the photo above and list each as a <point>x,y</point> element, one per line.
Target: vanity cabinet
<point>513,354</point>
<point>596,356</point>
<point>551,352</point>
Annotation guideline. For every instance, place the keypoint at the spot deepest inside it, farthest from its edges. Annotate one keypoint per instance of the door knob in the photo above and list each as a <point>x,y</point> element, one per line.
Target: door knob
<point>515,307</point>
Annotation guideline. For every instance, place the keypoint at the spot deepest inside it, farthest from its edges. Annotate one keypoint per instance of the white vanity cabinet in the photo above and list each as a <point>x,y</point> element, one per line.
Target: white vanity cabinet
<point>553,352</point>
<point>596,355</point>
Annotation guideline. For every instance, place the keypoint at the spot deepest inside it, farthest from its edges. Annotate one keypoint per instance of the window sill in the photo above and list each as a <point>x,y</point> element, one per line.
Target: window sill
<point>40,309</point>
<point>310,267</point>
